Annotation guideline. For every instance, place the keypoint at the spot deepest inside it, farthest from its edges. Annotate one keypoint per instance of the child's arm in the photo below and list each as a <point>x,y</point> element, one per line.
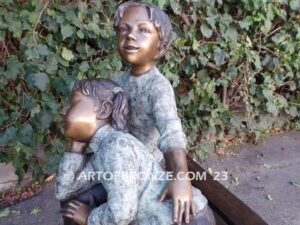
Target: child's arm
<point>70,180</point>
<point>122,194</point>
<point>172,143</point>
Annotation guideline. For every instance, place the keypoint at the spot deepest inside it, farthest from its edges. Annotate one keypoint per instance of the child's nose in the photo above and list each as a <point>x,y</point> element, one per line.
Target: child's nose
<point>131,36</point>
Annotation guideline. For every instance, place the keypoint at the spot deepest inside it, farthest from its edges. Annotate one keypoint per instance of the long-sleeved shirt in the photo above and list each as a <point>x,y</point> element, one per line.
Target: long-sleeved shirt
<point>131,198</point>
<point>153,115</point>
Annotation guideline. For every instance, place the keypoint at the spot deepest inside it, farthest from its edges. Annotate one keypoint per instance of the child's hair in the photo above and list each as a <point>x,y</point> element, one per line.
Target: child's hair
<point>157,16</point>
<point>109,100</point>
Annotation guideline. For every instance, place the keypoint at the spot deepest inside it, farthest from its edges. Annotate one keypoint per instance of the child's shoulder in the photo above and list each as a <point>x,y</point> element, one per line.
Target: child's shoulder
<point>159,81</point>
<point>122,142</point>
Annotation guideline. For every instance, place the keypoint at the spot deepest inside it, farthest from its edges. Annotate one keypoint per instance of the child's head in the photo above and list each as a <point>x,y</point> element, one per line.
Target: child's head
<point>158,18</point>
<point>94,101</point>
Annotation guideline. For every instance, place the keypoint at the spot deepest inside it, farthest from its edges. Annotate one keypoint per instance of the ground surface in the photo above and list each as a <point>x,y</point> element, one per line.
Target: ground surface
<point>269,168</point>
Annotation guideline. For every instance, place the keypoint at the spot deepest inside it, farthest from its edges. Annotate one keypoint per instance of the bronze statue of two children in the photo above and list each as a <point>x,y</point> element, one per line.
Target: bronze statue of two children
<point>128,126</point>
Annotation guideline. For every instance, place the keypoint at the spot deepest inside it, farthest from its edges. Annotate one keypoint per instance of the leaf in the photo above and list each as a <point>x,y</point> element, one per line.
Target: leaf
<point>235,122</point>
<point>161,3</point>
<point>267,165</point>
<point>235,179</point>
<point>67,54</point>
<point>272,108</point>
<point>245,23</point>
<point>258,179</point>
<point>175,6</point>
<point>9,135</point>
<point>34,211</point>
<point>80,34</point>
<point>66,31</point>
<point>261,156</point>
<point>46,119</point>
<point>295,4</point>
<point>269,197</point>
<point>293,111</point>
<point>219,56</point>
<point>50,178</point>
<point>43,50</point>
<point>84,67</point>
<point>26,134</point>
<point>40,80</point>
<point>16,212</point>
<point>32,53</point>
<point>278,38</point>
<point>206,31</point>
<point>94,27</point>
<point>295,184</point>
<point>13,68</point>
<point>5,212</point>
<point>230,34</point>
<point>268,93</point>
<point>51,64</point>
<point>35,110</point>
<point>210,170</point>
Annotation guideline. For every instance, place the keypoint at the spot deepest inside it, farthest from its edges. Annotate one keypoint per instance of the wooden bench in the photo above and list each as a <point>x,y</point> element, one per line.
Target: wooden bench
<point>227,208</point>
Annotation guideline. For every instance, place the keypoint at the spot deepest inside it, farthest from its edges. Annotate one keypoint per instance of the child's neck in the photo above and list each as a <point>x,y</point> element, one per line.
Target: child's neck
<point>138,70</point>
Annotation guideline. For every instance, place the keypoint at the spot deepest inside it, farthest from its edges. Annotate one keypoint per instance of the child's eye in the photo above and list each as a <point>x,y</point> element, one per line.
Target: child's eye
<point>144,30</point>
<point>122,29</point>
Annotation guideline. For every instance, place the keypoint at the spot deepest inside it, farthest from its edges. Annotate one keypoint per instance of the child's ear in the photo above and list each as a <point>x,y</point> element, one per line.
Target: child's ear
<point>105,111</point>
<point>161,50</point>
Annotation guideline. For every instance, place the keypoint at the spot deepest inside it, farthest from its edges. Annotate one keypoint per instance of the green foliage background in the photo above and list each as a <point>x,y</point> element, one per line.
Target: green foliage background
<point>234,65</point>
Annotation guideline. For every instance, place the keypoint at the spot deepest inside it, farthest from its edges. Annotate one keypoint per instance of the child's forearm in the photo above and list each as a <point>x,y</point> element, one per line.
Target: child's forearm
<point>71,168</point>
<point>176,160</point>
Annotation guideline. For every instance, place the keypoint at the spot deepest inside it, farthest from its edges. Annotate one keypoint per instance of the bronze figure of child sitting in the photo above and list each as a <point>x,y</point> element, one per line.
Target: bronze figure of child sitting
<point>97,115</point>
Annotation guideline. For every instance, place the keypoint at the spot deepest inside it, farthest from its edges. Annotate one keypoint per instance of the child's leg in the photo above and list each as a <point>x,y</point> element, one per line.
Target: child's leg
<point>99,195</point>
<point>204,217</point>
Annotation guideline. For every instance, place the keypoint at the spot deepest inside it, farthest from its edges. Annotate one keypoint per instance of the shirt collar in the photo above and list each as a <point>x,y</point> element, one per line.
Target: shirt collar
<point>100,135</point>
<point>151,71</point>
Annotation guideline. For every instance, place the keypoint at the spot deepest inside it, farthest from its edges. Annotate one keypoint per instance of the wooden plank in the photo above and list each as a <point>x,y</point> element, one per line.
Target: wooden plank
<point>231,209</point>
<point>219,220</point>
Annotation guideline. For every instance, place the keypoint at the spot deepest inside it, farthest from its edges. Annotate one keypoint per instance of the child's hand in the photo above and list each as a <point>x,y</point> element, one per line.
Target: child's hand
<point>77,211</point>
<point>180,189</point>
<point>181,193</point>
<point>78,147</point>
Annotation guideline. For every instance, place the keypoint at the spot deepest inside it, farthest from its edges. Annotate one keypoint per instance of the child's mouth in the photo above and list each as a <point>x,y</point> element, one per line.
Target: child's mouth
<point>130,48</point>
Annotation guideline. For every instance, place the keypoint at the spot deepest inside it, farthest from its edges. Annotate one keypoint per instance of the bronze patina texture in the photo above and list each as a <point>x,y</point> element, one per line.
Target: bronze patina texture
<point>131,199</point>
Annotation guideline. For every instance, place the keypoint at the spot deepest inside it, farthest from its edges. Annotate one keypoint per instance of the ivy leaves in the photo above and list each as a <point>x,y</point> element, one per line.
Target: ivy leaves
<point>66,31</point>
<point>226,57</point>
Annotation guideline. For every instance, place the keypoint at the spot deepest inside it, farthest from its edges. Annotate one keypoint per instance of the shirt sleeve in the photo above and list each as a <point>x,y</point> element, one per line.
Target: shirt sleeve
<point>165,115</point>
<point>122,190</point>
<point>72,177</point>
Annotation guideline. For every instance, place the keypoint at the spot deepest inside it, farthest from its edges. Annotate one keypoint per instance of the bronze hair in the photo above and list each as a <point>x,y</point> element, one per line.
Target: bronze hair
<point>159,18</point>
<point>108,104</point>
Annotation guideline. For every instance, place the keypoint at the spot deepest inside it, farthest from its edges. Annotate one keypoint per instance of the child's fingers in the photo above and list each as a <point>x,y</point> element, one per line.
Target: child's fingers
<point>175,211</point>
<point>73,205</point>
<point>193,208</point>
<point>187,212</point>
<point>77,202</point>
<point>181,210</point>
<point>67,211</point>
<point>163,195</point>
<point>69,215</point>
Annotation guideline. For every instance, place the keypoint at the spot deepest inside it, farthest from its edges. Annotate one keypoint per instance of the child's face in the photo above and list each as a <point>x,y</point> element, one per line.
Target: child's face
<point>79,118</point>
<point>138,39</point>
